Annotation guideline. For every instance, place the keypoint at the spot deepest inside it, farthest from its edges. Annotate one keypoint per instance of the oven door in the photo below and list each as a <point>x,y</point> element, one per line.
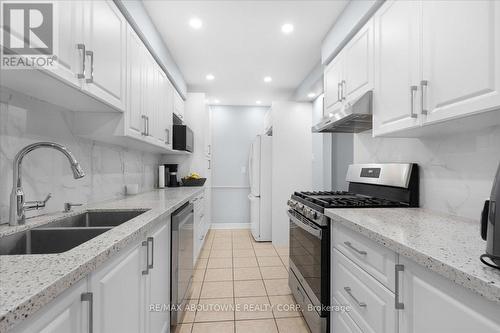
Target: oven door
<point>307,255</point>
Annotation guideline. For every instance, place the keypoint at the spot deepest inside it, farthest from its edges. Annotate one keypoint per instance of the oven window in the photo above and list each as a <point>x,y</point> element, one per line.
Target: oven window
<point>305,253</point>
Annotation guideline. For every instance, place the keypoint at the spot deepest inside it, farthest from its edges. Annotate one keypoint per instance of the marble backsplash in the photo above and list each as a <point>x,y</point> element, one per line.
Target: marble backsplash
<point>108,168</point>
<point>456,171</point>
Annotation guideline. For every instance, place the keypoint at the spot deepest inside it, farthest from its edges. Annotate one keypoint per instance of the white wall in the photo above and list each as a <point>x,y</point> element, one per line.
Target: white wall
<point>321,151</point>
<point>107,167</point>
<point>292,160</point>
<point>456,171</point>
<point>233,129</point>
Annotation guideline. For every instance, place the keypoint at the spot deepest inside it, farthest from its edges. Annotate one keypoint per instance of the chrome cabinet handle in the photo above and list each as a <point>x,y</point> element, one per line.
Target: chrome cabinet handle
<point>91,54</point>
<point>413,89</point>
<point>151,241</point>
<point>343,83</point>
<point>84,55</point>
<point>397,304</point>
<point>143,117</point>
<point>423,87</point>
<point>209,164</point>
<point>89,297</point>
<point>167,140</point>
<point>349,292</point>
<point>146,244</point>
<point>349,245</point>
<point>338,92</point>
<point>147,126</point>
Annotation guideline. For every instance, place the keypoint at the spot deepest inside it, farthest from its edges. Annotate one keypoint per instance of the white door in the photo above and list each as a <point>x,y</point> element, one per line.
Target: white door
<point>333,77</point>
<point>105,37</point>
<point>435,304</point>
<point>461,57</point>
<point>67,313</point>
<point>119,294</point>
<point>255,216</point>
<point>159,281</point>
<point>358,57</point>
<point>254,167</point>
<point>397,73</point>
<point>69,29</point>
<point>135,90</point>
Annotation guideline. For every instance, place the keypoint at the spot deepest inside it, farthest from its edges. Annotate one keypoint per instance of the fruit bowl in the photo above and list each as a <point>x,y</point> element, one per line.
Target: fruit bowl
<point>193,181</point>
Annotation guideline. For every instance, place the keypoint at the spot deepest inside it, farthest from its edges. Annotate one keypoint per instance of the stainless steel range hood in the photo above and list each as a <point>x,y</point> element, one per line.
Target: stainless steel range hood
<point>353,118</point>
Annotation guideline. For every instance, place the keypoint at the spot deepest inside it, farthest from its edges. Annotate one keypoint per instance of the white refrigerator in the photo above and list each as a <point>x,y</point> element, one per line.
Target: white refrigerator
<point>259,174</point>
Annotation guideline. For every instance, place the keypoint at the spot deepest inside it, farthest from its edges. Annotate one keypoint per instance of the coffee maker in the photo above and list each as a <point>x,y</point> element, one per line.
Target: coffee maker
<point>490,225</point>
<point>171,175</point>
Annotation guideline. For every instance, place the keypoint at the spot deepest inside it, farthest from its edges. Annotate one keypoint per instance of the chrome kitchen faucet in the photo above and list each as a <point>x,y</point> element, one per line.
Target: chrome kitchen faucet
<point>18,206</point>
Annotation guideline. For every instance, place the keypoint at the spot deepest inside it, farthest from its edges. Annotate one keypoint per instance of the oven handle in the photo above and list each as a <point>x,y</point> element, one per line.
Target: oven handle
<point>313,231</point>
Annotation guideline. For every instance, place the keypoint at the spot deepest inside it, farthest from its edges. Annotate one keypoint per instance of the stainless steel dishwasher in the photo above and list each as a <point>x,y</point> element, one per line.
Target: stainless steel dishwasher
<point>182,261</point>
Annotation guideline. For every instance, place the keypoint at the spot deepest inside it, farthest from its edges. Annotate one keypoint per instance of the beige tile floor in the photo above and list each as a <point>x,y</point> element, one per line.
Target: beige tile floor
<point>241,286</point>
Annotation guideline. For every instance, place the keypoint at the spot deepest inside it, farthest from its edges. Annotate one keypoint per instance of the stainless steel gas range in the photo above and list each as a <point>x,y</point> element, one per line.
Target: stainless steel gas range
<point>370,185</point>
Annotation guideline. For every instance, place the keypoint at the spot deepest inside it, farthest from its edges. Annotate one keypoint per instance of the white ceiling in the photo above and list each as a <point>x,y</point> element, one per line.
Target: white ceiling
<point>241,42</point>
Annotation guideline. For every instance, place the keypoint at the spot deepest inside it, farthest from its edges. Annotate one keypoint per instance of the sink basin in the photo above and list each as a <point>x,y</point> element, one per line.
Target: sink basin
<point>96,219</point>
<point>64,234</point>
<point>47,240</point>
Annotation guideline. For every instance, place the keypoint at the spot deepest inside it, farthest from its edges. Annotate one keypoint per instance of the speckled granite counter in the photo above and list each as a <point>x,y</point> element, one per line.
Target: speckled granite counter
<point>28,282</point>
<point>447,245</point>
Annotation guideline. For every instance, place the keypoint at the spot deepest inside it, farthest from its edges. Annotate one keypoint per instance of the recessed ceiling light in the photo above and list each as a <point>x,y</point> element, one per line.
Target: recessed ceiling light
<point>258,102</point>
<point>268,79</point>
<point>195,23</point>
<point>216,101</point>
<point>311,95</point>
<point>210,77</point>
<point>287,28</point>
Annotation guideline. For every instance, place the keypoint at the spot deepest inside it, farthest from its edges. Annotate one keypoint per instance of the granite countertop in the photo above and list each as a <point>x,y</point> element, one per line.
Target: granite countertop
<point>28,282</point>
<point>447,245</point>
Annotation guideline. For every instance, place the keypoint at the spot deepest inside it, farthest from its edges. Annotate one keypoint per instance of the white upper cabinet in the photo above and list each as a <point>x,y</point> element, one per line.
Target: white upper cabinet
<point>461,58</point>
<point>69,56</point>
<point>178,105</point>
<point>397,66</point>
<point>350,74</point>
<point>358,55</point>
<point>435,61</point>
<point>333,81</point>
<point>105,42</point>
<point>135,69</point>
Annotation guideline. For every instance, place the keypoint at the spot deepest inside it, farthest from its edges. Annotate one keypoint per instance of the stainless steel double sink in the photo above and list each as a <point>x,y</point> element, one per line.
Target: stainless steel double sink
<point>64,234</point>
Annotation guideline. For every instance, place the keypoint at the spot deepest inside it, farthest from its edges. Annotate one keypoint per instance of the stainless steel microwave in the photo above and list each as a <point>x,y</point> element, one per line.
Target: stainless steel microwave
<point>183,138</point>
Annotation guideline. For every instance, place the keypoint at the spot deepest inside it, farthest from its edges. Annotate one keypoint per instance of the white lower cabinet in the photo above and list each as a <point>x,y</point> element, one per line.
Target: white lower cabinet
<point>372,305</point>
<point>427,302</point>
<point>68,313</point>
<point>158,286</point>
<point>118,294</point>
<point>434,304</point>
<point>128,294</point>
<point>200,225</point>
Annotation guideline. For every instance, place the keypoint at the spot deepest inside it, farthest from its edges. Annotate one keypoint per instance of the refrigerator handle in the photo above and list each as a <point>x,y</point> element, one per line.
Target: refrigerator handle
<point>250,157</point>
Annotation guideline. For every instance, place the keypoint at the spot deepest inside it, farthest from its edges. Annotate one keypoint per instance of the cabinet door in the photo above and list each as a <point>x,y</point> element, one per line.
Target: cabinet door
<point>158,319</point>
<point>135,71</point>
<point>340,322</point>
<point>156,119</point>
<point>178,105</point>
<point>166,109</point>
<point>69,32</point>
<point>105,30</point>
<point>358,57</point>
<point>67,313</point>
<point>118,290</point>
<point>461,58</point>
<point>333,80</point>
<point>434,304</point>
<point>396,58</point>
